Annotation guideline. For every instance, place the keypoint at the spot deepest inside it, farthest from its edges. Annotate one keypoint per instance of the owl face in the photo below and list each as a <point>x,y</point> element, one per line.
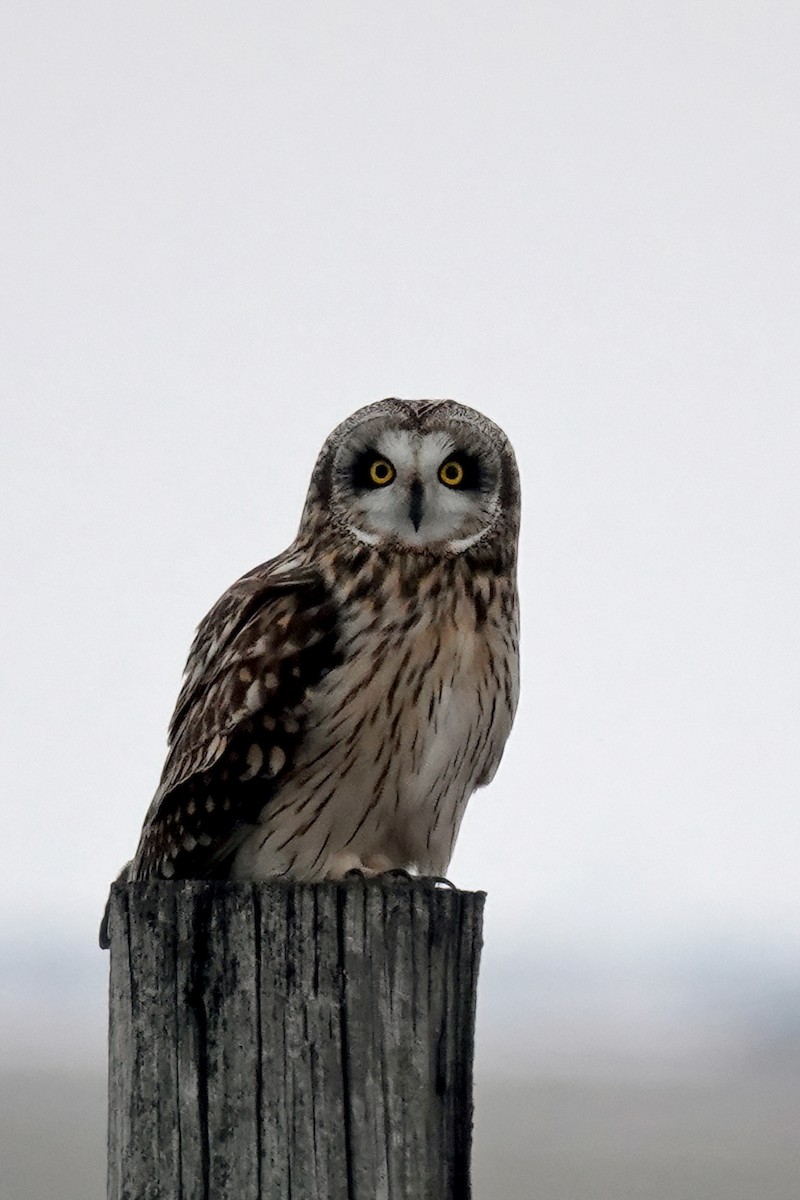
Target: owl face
<point>418,476</point>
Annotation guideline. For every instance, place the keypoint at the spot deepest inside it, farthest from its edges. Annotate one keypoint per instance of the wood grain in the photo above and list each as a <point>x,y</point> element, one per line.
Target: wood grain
<point>291,1041</point>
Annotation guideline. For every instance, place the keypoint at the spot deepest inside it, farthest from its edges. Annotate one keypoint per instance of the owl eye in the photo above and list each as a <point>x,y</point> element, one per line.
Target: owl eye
<point>451,473</point>
<point>381,472</point>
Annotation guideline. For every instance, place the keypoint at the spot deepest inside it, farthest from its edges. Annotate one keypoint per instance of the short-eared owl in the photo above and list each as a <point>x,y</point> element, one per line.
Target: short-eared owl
<point>342,701</point>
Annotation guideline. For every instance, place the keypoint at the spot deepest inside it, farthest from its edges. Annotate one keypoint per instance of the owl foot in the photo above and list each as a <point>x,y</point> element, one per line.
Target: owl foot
<point>348,866</point>
<point>377,871</point>
<point>400,874</point>
<point>395,875</point>
<point>434,882</point>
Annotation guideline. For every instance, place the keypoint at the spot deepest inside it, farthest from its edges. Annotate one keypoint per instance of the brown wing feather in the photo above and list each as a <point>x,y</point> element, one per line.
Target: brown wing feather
<point>240,713</point>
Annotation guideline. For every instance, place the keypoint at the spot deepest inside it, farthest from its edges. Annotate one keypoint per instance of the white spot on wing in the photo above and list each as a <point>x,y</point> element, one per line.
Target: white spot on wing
<point>255,761</point>
<point>277,760</point>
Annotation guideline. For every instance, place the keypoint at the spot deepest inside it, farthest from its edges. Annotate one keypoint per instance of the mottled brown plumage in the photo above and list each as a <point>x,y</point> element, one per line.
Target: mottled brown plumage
<point>342,701</point>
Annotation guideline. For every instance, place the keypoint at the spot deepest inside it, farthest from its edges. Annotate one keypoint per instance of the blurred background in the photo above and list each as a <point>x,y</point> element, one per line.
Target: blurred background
<point>222,229</point>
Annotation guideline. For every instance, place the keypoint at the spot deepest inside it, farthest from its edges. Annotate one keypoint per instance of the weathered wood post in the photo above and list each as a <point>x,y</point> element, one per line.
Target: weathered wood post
<point>291,1041</point>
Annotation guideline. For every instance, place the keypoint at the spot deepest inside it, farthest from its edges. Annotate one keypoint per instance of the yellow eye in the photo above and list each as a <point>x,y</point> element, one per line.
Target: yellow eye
<point>451,473</point>
<point>381,472</point>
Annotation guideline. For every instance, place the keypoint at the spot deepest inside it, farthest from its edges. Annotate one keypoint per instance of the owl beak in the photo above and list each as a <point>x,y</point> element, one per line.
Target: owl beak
<point>415,504</point>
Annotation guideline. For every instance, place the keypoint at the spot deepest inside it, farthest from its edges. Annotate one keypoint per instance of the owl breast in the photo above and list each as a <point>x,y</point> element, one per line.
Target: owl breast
<point>396,743</point>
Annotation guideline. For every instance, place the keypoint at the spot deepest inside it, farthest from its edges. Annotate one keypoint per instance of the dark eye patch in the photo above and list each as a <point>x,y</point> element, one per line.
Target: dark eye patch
<point>361,468</point>
<point>473,478</point>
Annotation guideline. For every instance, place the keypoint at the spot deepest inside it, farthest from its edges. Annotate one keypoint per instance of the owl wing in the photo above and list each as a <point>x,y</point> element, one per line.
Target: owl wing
<point>239,717</point>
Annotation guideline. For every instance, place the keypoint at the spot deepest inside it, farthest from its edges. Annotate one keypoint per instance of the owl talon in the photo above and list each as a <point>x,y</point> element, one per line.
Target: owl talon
<point>400,874</point>
<point>439,881</point>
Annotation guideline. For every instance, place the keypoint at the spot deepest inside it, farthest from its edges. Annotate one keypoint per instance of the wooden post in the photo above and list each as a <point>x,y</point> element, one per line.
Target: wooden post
<point>291,1041</point>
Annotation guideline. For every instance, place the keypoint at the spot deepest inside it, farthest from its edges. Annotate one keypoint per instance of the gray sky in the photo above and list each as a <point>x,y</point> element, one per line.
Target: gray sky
<point>225,227</point>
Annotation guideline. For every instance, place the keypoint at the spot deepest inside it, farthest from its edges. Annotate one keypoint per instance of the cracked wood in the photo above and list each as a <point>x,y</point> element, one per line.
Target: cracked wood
<point>291,1041</point>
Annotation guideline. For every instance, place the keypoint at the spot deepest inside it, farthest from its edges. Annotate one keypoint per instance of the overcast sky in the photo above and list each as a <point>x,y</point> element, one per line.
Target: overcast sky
<point>224,227</point>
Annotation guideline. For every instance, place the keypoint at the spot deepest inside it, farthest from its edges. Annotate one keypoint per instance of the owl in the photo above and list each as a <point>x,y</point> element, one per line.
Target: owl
<point>342,701</point>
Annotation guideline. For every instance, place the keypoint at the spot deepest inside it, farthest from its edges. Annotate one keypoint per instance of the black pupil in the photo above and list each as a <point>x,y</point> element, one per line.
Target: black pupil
<point>381,470</point>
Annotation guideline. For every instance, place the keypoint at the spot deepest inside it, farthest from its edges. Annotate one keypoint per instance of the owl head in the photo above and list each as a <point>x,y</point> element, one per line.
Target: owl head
<point>417,476</point>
